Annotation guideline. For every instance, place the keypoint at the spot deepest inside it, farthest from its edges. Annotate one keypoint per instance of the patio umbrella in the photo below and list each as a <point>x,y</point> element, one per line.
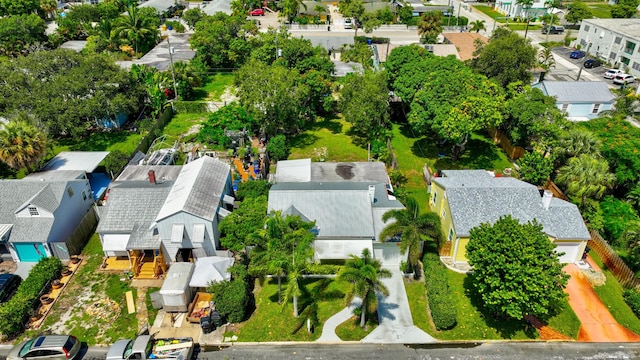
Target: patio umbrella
<point>211,268</point>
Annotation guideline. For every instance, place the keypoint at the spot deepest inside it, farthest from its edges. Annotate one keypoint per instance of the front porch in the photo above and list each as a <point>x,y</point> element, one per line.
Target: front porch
<point>141,264</point>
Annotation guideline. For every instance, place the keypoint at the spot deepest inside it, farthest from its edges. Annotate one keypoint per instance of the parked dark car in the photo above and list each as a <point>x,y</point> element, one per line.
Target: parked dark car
<point>592,63</point>
<point>553,29</point>
<point>577,54</point>
<point>8,285</point>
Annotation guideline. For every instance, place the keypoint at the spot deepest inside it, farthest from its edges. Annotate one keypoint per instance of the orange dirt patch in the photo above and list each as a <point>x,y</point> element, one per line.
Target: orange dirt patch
<point>546,332</point>
<point>598,325</point>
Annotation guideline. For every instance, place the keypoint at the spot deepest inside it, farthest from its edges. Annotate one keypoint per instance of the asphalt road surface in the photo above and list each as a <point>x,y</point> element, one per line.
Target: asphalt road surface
<point>456,351</point>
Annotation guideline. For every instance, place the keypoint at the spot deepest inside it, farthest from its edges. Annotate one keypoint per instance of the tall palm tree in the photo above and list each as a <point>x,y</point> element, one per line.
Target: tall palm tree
<point>545,59</point>
<point>414,227</point>
<point>364,274</point>
<point>22,144</point>
<point>295,287</point>
<point>135,28</point>
<point>477,26</point>
<point>526,5</point>
<point>586,177</point>
<point>551,5</point>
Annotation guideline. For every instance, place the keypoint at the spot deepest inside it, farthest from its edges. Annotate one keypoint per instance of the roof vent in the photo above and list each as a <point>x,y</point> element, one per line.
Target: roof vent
<point>546,199</point>
<point>372,193</point>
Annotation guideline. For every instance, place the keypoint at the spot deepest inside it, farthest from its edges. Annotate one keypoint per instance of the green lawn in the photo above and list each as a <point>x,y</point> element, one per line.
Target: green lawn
<point>611,295</point>
<point>271,322</point>
<point>350,330</point>
<point>123,140</point>
<point>332,134</point>
<point>566,322</point>
<point>214,87</point>
<point>416,293</point>
<point>183,123</point>
<point>413,152</point>
<point>600,10</point>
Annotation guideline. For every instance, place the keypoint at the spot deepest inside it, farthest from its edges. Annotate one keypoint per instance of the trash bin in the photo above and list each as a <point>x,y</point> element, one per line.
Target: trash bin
<point>206,325</point>
<point>216,318</point>
<point>170,27</point>
<point>329,28</point>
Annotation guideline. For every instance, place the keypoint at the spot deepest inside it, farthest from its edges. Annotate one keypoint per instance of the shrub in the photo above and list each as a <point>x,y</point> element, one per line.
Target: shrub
<point>439,296</point>
<point>617,214</point>
<point>231,298</point>
<point>14,313</point>
<point>632,298</point>
<point>374,40</point>
<point>278,148</point>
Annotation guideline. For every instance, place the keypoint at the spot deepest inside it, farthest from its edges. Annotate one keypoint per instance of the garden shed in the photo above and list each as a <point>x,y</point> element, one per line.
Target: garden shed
<point>176,293</point>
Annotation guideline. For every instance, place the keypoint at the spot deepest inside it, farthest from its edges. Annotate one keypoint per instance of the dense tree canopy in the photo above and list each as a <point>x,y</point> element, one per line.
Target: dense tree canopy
<point>242,222</point>
<point>19,7</point>
<point>586,176</point>
<point>21,34</point>
<point>219,41</point>
<point>452,111</point>
<point>22,144</point>
<point>66,91</point>
<point>516,269</point>
<point>506,58</point>
<point>578,11</point>
<point>370,122</point>
<point>400,56</point>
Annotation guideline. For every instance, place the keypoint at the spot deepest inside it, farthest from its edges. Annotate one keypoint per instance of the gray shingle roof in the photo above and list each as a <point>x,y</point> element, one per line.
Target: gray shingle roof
<point>480,199</point>
<point>198,189</point>
<point>577,91</point>
<point>31,229</point>
<point>141,172</point>
<point>15,194</point>
<point>340,210</point>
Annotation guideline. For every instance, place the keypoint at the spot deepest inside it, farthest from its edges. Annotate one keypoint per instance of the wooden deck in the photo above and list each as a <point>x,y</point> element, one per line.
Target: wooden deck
<point>115,264</point>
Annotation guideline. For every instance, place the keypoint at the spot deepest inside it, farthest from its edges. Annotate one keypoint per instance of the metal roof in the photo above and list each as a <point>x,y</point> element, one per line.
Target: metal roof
<point>141,172</point>
<point>76,160</point>
<point>480,199</point>
<point>577,91</point>
<point>57,175</point>
<point>198,189</point>
<point>341,210</point>
<point>159,5</point>
<point>303,170</point>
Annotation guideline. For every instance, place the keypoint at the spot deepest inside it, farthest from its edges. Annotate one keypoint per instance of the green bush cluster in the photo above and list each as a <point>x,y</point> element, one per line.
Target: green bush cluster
<point>232,298</point>
<point>374,40</point>
<point>14,313</point>
<point>441,299</point>
<point>632,298</point>
<point>190,107</point>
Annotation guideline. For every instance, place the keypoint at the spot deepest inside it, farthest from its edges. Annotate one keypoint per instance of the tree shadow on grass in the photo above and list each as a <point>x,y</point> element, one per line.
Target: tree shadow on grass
<point>332,124</point>
<point>507,328</point>
<point>309,302</point>
<point>303,140</point>
<point>199,95</point>
<point>479,154</point>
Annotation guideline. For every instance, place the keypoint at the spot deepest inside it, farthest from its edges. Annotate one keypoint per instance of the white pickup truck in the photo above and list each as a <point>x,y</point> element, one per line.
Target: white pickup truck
<point>147,347</point>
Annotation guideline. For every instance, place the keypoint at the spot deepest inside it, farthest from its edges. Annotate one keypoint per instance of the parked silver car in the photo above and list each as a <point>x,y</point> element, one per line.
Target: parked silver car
<point>58,347</point>
<point>622,79</point>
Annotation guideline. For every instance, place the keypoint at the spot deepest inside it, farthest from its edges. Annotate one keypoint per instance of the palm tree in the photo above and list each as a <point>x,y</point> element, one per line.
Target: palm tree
<point>414,227</point>
<point>22,144</point>
<point>295,287</point>
<point>545,59</point>
<point>430,27</point>
<point>526,5</point>
<point>135,28</point>
<point>290,9</point>
<point>551,4</point>
<point>586,177</point>
<point>579,141</point>
<point>477,26</point>
<point>364,274</point>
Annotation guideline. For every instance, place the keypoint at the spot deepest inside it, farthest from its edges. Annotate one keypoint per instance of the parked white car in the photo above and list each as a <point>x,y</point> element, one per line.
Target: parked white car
<point>622,79</point>
<point>611,73</point>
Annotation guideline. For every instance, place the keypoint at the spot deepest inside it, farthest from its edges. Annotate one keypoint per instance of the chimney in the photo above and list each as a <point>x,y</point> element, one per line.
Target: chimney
<point>152,176</point>
<point>372,193</point>
<point>546,199</point>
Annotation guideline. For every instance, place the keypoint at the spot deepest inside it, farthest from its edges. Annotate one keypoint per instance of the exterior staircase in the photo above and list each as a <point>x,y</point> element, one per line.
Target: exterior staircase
<point>146,271</point>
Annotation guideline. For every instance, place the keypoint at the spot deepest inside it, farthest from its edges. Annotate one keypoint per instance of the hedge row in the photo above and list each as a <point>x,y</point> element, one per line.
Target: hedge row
<point>632,298</point>
<point>441,300</point>
<point>374,40</point>
<point>14,313</point>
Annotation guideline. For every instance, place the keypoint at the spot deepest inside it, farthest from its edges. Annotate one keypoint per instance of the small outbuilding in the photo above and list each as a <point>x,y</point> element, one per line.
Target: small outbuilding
<point>176,293</point>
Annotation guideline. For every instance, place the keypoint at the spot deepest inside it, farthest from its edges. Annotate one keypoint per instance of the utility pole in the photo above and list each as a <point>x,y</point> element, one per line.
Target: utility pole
<point>173,73</point>
<point>582,63</point>
<point>458,17</point>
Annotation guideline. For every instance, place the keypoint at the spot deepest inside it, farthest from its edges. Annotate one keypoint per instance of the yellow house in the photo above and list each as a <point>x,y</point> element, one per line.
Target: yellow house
<point>465,199</point>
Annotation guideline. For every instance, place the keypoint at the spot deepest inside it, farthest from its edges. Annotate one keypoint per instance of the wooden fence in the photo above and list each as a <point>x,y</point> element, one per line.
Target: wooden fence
<point>551,186</point>
<point>392,155</point>
<point>614,263</point>
<point>513,152</point>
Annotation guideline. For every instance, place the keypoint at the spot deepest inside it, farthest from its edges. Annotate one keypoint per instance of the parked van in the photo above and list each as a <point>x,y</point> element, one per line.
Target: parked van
<point>553,29</point>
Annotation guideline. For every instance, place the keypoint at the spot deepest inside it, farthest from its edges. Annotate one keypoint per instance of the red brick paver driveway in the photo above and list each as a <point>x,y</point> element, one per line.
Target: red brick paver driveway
<point>598,325</point>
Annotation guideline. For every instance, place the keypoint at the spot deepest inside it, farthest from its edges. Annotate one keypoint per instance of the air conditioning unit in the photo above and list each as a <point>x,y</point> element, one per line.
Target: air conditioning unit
<point>429,48</point>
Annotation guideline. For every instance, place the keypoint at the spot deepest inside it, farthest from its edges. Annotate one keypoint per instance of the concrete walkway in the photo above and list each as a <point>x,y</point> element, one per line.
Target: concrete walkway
<point>396,323</point>
<point>329,327</point>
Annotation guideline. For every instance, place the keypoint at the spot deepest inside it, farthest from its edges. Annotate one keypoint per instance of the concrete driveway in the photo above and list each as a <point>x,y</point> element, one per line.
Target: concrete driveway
<point>396,323</point>
<point>598,325</point>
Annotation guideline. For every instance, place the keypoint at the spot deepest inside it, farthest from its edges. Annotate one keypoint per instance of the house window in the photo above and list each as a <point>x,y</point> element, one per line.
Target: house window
<point>596,108</point>
<point>33,211</point>
<point>435,196</point>
<point>70,191</point>
<point>586,28</point>
<point>636,66</point>
<point>613,55</point>
<point>618,40</point>
<point>565,107</point>
<point>450,234</point>
<point>84,195</point>
<point>444,213</point>
<point>625,60</point>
